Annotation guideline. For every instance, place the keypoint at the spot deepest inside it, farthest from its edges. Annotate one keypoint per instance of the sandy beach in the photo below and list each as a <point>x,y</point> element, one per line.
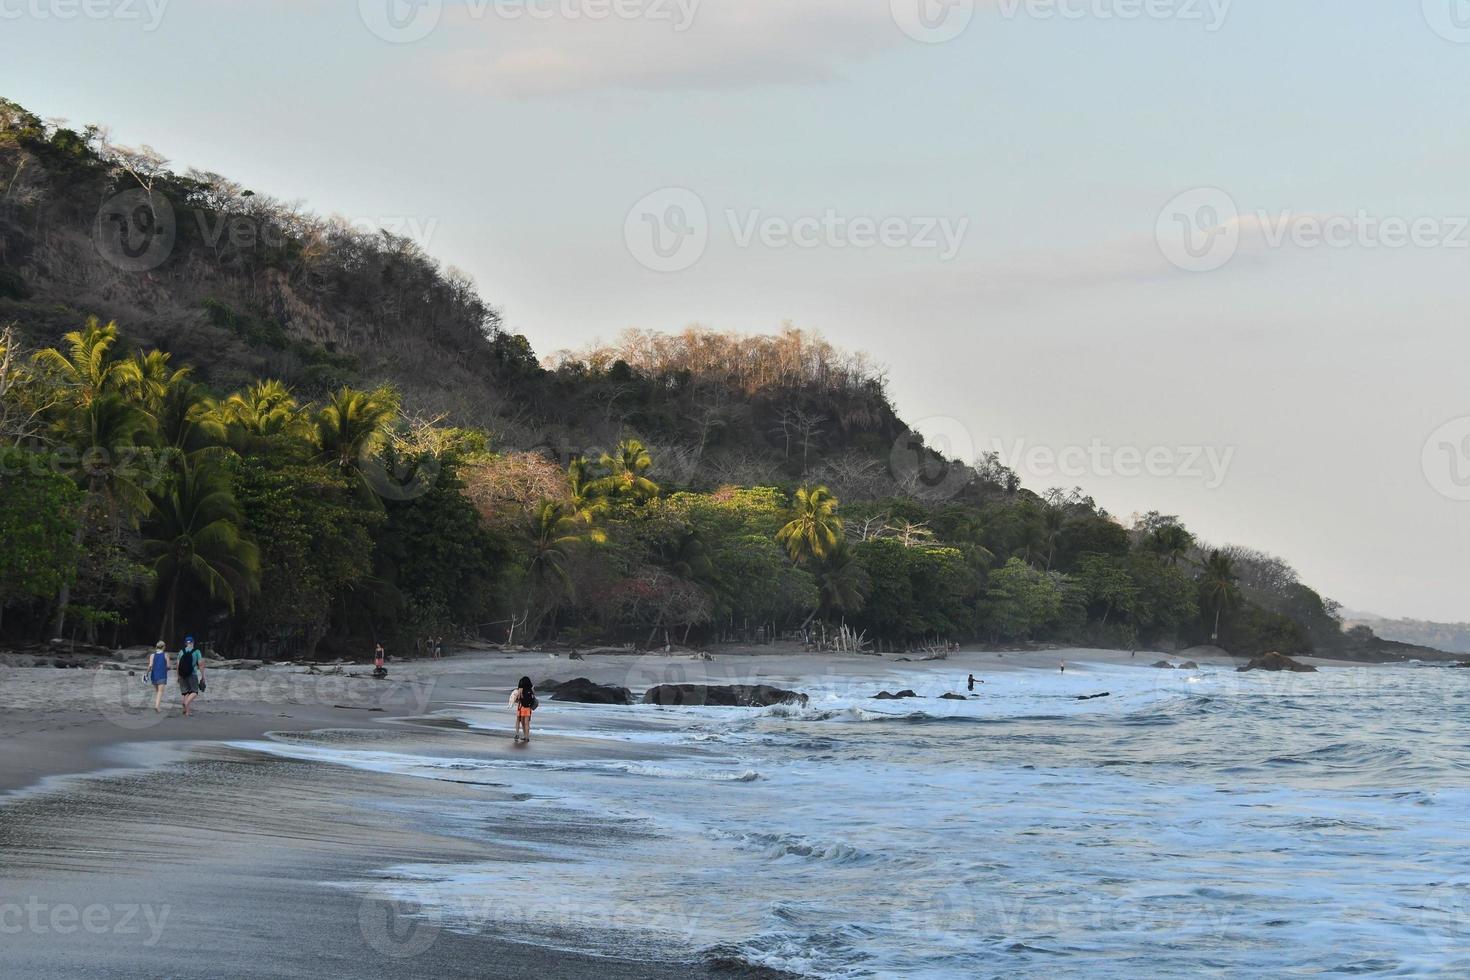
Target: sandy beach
<point>142,845</point>
<point>195,859</point>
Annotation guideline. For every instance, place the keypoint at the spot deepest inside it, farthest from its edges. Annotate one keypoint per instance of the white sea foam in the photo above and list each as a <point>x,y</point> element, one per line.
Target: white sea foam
<point>1260,825</point>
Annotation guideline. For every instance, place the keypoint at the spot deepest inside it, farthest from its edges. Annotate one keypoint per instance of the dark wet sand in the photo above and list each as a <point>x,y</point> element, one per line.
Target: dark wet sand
<point>184,857</point>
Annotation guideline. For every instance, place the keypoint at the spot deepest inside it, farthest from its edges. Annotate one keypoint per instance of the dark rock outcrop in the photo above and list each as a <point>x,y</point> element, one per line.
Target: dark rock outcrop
<point>1164,664</point>
<point>1189,665</point>
<point>721,696</point>
<point>901,695</point>
<point>1277,661</point>
<point>583,691</point>
<point>953,697</point>
<point>1094,697</point>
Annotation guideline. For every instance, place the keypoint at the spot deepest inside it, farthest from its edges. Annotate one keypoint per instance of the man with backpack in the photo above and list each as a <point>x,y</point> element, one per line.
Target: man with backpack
<point>191,674</point>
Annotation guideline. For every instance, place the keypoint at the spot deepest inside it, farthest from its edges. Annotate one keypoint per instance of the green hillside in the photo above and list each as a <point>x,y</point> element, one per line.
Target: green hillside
<point>224,415</point>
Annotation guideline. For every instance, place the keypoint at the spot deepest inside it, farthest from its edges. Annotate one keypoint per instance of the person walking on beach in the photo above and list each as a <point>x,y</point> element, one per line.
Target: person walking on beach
<point>158,673</point>
<point>379,657</point>
<point>523,701</point>
<point>191,674</point>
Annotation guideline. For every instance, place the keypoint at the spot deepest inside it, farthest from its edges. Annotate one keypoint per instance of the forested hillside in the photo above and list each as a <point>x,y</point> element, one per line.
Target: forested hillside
<point>224,415</point>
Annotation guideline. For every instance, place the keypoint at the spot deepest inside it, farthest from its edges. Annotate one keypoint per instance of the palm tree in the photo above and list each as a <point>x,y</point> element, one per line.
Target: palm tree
<point>1053,522</point>
<point>187,419</point>
<point>88,370</point>
<point>1217,586</point>
<point>625,479</point>
<point>265,408</point>
<point>842,582</point>
<point>195,537</point>
<point>149,378</point>
<point>1171,542</point>
<point>353,425</point>
<point>583,487</point>
<point>687,557</point>
<point>556,532</point>
<point>106,431</point>
<point>814,529</point>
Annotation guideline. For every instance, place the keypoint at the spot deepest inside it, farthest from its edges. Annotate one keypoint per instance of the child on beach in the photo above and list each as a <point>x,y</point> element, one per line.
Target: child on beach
<point>158,673</point>
<point>523,701</point>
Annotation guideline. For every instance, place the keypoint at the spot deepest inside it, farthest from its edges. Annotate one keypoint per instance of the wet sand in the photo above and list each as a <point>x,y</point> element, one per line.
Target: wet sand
<point>137,844</point>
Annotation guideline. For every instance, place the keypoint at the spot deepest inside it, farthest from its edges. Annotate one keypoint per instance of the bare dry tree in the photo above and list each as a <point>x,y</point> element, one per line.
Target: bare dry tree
<point>142,163</point>
<point>23,408</point>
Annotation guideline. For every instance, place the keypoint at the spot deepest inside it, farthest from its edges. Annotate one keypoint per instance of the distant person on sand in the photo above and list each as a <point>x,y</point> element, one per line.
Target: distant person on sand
<point>379,668</point>
<point>439,648</point>
<point>191,674</point>
<point>158,673</point>
<point>1064,666</point>
<point>523,701</point>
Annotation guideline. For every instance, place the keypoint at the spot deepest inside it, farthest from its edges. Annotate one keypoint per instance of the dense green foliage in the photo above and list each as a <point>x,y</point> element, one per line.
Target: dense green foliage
<point>144,500</point>
<point>314,436</point>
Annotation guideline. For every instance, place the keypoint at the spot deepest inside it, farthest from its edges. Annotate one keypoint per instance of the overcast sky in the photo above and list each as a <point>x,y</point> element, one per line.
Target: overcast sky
<point>1204,257</point>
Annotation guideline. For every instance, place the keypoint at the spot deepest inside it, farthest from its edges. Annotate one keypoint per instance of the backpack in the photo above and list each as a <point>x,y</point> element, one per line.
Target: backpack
<point>528,700</point>
<point>186,662</point>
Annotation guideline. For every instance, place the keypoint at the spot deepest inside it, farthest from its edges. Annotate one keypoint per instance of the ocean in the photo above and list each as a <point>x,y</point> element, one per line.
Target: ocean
<point>1191,821</point>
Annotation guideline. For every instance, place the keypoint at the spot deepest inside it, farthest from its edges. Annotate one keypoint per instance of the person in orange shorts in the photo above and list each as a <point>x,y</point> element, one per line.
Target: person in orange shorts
<point>523,701</point>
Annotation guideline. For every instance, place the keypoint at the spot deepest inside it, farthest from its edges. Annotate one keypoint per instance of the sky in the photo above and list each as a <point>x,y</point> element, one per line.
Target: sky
<point>1197,256</point>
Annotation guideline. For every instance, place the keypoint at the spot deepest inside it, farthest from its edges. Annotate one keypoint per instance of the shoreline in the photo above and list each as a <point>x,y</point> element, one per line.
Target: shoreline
<point>232,837</point>
<point>69,721</point>
<point>83,790</point>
